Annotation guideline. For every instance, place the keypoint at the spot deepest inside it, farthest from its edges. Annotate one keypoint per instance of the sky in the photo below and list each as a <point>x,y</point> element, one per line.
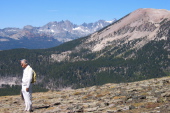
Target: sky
<point>19,13</point>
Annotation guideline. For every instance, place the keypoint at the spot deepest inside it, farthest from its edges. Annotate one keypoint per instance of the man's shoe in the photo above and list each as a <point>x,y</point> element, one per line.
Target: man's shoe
<point>31,111</point>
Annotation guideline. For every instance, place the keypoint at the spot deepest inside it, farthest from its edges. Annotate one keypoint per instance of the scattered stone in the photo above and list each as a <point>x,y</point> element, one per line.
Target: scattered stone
<point>148,96</point>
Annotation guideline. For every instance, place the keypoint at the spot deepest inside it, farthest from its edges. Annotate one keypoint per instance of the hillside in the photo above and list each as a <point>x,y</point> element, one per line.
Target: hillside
<point>148,96</point>
<point>134,48</point>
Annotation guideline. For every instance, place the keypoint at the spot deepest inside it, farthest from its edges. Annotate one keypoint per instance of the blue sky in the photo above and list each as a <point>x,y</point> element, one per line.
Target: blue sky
<point>19,13</point>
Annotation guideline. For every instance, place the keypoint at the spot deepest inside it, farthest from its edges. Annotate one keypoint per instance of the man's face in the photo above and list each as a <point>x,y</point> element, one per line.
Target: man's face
<point>23,64</point>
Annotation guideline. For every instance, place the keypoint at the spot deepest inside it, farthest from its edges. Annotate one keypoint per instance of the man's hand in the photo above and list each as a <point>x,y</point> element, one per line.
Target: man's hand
<point>27,89</point>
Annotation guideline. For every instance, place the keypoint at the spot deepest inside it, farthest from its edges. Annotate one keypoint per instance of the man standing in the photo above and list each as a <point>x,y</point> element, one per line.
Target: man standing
<point>27,85</point>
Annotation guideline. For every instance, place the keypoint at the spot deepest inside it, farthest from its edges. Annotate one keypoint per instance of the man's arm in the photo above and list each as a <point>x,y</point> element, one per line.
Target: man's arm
<point>30,72</point>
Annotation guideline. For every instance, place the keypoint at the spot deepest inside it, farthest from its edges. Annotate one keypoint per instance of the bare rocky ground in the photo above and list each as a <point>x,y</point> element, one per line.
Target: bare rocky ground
<point>148,96</point>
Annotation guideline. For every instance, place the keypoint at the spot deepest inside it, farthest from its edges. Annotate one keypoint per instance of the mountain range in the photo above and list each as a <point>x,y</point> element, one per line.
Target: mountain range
<point>135,47</point>
<point>49,35</point>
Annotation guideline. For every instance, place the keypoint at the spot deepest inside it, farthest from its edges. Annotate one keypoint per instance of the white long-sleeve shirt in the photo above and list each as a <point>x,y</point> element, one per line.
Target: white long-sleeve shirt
<point>27,76</point>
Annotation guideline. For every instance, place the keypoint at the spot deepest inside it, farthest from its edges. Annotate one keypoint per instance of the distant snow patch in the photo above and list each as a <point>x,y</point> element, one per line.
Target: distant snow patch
<point>3,40</point>
<point>52,31</point>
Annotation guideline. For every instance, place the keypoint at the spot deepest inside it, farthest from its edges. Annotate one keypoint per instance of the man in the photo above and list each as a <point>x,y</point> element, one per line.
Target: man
<point>27,85</point>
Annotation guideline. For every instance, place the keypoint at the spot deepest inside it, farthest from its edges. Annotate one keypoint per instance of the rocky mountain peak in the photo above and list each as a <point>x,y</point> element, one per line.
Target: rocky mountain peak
<point>150,15</point>
<point>59,32</point>
<point>129,33</point>
<point>29,27</point>
<point>136,25</point>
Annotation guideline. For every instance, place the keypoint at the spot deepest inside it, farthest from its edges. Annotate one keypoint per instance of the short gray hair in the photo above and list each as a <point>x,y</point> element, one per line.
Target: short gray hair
<point>24,61</point>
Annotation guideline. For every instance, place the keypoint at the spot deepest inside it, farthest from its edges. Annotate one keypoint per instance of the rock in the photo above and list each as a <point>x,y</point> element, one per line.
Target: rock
<point>143,96</point>
<point>131,107</point>
<point>166,94</point>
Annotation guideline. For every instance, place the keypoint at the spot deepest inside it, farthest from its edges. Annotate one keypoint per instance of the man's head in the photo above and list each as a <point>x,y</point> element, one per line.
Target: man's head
<point>24,63</point>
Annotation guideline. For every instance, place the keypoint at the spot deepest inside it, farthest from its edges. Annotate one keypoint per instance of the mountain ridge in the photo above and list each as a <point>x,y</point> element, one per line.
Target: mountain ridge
<point>53,32</point>
<point>123,31</point>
